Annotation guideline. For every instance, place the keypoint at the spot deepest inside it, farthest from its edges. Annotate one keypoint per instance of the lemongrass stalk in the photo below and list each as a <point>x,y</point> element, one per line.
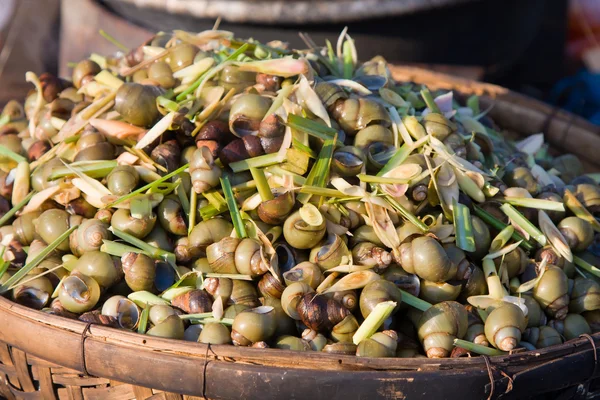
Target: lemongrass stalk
<point>428,98</point>
<point>276,170</point>
<point>151,251</point>
<point>57,288</point>
<point>318,191</point>
<point>34,277</point>
<point>148,186</point>
<point>477,348</point>
<point>106,78</point>
<point>209,211</point>
<point>201,78</point>
<point>397,159</point>
<point>6,217</point>
<point>196,316</point>
<point>539,204</point>
<point>348,63</point>
<point>489,190</point>
<point>524,223</point>
<point>501,238</point>
<point>20,274</point>
<point>304,148</point>
<point>21,183</point>
<point>6,152</point>
<point>382,179</point>
<point>257,162</point>
<point>283,93</point>
<point>193,210</point>
<point>319,172</point>
<point>93,169</point>
<point>406,214</point>
<point>414,301</point>
<point>495,288</point>
<point>183,199</point>
<point>224,321</point>
<point>468,186</point>
<point>167,104</point>
<point>3,268</point>
<point>311,127</point>
<point>586,266</point>
<point>171,293</point>
<point>118,249</point>
<point>262,184</point>
<point>373,321</point>
<point>482,314</point>
<point>473,104</point>
<point>463,227</point>
<point>239,277</point>
<point>215,199</point>
<point>145,299</point>
<point>499,225</point>
<point>580,211</point>
<point>236,218</point>
<point>143,324</point>
<point>114,41</point>
<point>327,282</point>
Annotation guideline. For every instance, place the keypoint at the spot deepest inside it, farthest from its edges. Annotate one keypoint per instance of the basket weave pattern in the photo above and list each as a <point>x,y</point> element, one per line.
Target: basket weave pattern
<point>23,376</point>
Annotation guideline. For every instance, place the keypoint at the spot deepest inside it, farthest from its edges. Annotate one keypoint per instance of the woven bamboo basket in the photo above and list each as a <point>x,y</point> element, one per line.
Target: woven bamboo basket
<point>48,357</point>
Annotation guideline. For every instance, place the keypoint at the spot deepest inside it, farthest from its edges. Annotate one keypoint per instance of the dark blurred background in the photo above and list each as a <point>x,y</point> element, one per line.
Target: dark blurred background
<point>532,46</point>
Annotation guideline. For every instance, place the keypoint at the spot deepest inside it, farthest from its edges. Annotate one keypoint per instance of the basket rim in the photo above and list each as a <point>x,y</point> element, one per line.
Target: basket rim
<point>270,356</point>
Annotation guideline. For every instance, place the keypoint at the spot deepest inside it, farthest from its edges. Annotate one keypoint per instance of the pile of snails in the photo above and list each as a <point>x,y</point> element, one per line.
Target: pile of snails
<point>225,191</point>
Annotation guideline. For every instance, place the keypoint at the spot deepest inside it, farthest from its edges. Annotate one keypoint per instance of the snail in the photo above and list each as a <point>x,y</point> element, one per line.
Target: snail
<point>381,344</point>
<point>236,256</point>
<point>79,293</point>
<point>425,257</point>
<point>551,291</point>
<point>504,326</point>
<point>439,325</point>
<point>253,325</point>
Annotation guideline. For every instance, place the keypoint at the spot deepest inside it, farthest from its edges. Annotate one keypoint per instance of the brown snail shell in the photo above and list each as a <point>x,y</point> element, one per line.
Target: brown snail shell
<point>193,302</point>
<point>320,313</point>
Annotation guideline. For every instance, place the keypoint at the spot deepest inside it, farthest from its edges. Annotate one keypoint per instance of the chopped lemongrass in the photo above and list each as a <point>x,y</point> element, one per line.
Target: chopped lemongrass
<point>319,172</point>
<point>354,280</point>
<point>501,238</point>
<point>4,119</point>
<point>431,104</point>
<point>236,218</point>
<point>167,104</point>
<point>586,266</point>
<point>478,348</point>
<point>304,148</point>
<point>414,301</point>
<point>215,199</point>
<point>6,152</point>
<point>473,104</point>
<point>262,184</point>
<point>318,191</point>
<point>183,199</point>
<point>114,41</point>
<point>527,286</point>
<point>3,268</point>
<point>276,170</point>
<point>151,251</point>
<point>143,324</point>
<point>33,277</point>
<point>27,268</point>
<point>209,211</point>
<point>539,204</point>
<point>495,288</point>
<point>57,288</point>
<point>106,78</point>
<point>313,128</point>
<point>517,218</point>
<point>499,225</point>
<point>196,316</point>
<point>224,321</point>
<point>580,211</point>
<point>373,321</point>
<point>93,169</point>
<point>348,61</point>
<point>327,282</point>
<point>463,228</point>
<point>502,252</point>
<point>201,78</point>
<point>285,66</point>
<point>311,214</point>
<point>382,179</point>
<point>468,186</point>
<point>171,293</point>
<point>257,162</point>
<point>406,214</point>
<point>118,249</point>
<point>144,299</point>
<point>148,186</point>
<point>140,208</point>
<point>157,130</point>
<point>398,158</point>
<point>193,210</point>
<point>555,236</point>
<point>239,277</point>
<point>6,217</point>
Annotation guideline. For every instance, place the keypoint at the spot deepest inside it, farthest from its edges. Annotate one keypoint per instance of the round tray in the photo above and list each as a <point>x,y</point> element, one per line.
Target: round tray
<point>47,357</point>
